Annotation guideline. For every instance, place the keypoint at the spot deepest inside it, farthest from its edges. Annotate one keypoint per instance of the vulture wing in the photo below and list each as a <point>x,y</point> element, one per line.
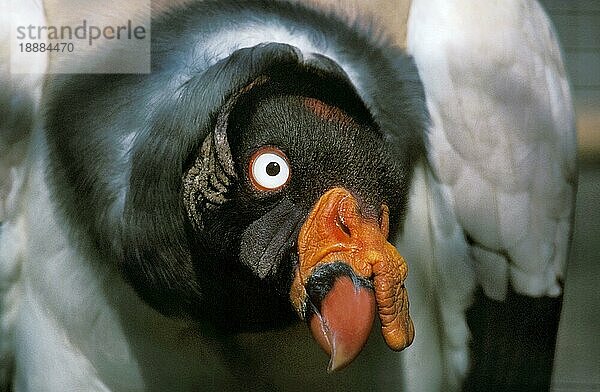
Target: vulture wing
<point>501,170</point>
<point>21,83</point>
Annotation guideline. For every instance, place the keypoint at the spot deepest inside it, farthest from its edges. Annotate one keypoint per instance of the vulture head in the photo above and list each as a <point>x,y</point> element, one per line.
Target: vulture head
<point>261,191</point>
<point>290,200</point>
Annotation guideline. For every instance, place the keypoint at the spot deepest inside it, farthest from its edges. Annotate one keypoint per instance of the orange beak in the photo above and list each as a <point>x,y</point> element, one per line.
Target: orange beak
<point>336,232</point>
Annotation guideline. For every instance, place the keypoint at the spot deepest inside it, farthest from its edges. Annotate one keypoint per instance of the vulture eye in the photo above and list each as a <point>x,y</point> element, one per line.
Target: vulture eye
<point>269,169</point>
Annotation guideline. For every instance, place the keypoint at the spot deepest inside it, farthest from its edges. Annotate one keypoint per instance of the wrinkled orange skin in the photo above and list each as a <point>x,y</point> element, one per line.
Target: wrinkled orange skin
<point>335,231</point>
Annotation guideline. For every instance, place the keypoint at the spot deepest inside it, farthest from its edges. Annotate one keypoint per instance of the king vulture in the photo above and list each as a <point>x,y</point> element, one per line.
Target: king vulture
<point>281,171</point>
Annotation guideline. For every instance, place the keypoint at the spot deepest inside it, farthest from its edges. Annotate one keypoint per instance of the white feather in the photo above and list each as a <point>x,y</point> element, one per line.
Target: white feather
<point>501,150</point>
<point>502,135</point>
<point>440,284</point>
<point>21,91</point>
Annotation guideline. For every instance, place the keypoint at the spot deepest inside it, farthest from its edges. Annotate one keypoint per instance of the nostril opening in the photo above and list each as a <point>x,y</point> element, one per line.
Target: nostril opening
<point>340,223</point>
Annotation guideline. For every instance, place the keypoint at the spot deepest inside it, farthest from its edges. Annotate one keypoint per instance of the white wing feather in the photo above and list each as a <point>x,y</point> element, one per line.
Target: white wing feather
<point>440,285</point>
<point>502,135</point>
<point>19,100</point>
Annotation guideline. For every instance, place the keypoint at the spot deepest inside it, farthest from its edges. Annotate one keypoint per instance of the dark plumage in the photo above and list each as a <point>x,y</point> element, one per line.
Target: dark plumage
<point>148,130</point>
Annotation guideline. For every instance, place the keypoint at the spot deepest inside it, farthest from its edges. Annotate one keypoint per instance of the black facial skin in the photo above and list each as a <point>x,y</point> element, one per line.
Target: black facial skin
<point>323,152</point>
<point>119,147</point>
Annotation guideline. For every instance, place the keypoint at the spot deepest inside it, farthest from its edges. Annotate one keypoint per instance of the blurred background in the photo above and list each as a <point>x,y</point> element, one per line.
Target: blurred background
<point>577,366</point>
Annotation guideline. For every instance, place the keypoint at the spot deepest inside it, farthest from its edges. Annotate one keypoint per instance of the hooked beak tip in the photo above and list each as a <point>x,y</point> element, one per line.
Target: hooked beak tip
<point>344,321</point>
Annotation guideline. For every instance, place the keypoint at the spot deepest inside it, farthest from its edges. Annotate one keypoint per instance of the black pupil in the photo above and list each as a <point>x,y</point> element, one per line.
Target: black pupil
<point>273,169</point>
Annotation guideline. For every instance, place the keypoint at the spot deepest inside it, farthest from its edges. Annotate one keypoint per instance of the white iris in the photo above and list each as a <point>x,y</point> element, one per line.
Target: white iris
<point>270,170</point>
